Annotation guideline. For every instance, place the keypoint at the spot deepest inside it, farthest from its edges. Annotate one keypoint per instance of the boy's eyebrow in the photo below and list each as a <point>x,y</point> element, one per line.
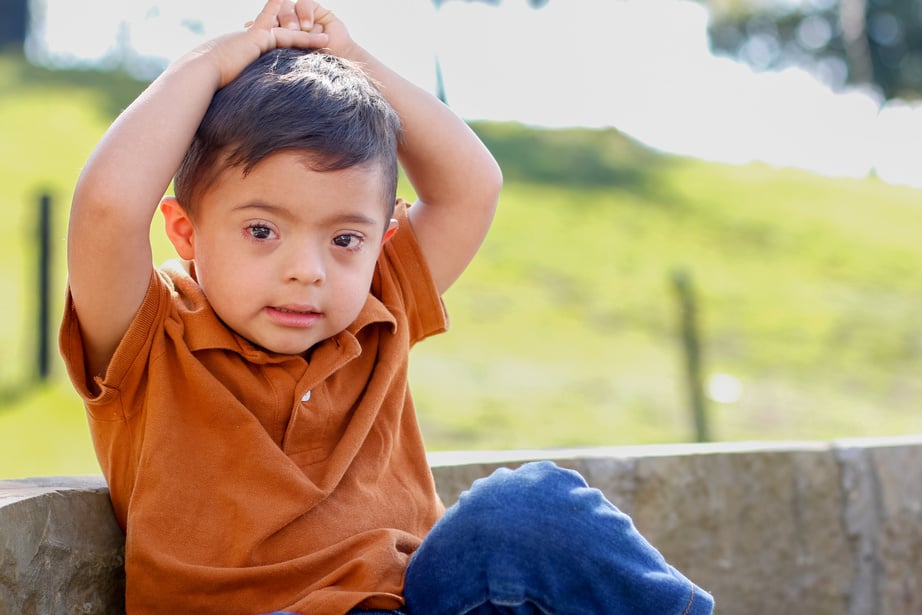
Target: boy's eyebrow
<point>344,217</point>
<point>353,218</point>
<point>262,207</point>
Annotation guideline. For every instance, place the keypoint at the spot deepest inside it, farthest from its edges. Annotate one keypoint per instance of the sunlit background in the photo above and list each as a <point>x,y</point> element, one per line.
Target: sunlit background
<point>783,84</point>
<point>569,63</point>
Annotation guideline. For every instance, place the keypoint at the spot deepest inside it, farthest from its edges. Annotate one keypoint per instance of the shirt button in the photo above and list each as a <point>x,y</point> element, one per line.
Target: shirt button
<point>306,397</point>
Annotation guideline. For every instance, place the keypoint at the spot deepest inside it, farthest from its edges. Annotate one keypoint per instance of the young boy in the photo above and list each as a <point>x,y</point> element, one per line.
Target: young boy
<point>249,404</point>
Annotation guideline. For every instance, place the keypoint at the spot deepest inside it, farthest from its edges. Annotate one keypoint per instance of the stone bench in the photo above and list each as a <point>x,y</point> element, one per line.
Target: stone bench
<point>801,527</point>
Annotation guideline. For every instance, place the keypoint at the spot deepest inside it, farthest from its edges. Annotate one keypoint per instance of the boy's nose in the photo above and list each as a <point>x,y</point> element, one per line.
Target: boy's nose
<point>306,265</point>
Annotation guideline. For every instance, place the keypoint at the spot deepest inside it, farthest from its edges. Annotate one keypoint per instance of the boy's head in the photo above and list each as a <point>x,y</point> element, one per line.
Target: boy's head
<point>285,198</point>
<point>291,99</point>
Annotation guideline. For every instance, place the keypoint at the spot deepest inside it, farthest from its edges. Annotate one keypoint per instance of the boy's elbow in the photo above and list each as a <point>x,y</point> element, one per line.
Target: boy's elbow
<point>95,205</point>
<point>95,191</point>
<point>493,182</point>
<point>497,177</point>
<point>98,210</point>
<point>491,185</point>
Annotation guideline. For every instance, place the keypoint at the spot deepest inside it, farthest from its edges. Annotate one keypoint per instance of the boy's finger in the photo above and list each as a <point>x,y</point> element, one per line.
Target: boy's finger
<point>268,17</point>
<point>299,39</point>
<point>288,17</point>
<point>323,15</point>
<point>305,11</point>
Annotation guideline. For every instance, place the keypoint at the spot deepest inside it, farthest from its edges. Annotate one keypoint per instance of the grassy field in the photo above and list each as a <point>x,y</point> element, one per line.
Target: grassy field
<point>564,330</point>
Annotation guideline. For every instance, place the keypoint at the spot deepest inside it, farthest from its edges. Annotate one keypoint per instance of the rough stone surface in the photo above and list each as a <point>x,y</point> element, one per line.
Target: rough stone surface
<point>895,475</point>
<point>61,551</point>
<point>814,528</point>
<point>760,526</point>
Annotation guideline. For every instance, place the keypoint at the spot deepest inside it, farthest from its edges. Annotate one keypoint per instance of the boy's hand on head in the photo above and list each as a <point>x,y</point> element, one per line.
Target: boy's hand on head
<point>297,14</point>
<point>318,19</point>
<point>280,24</point>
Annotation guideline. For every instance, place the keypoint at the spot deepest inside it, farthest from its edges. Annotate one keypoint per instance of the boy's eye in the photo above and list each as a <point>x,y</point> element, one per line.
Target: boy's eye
<point>349,241</point>
<point>259,231</point>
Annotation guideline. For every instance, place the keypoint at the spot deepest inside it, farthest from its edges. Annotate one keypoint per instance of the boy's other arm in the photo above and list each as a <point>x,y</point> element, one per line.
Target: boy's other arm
<point>108,247</point>
<point>457,180</point>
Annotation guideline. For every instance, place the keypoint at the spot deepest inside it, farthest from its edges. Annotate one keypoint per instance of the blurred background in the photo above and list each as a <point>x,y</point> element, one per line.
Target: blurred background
<point>709,228</point>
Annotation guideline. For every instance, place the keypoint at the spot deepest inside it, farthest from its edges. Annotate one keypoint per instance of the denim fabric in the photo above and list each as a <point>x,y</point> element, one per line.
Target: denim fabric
<point>539,540</point>
<point>352,612</point>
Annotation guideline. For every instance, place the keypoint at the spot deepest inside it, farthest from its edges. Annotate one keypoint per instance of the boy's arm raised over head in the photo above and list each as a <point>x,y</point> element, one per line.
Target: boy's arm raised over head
<point>108,246</point>
<point>457,180</point>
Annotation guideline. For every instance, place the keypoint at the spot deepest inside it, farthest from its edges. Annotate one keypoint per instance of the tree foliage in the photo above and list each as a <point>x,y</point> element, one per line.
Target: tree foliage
<point>14,19</point>
<point>867,42</point>
<point>871,42</point>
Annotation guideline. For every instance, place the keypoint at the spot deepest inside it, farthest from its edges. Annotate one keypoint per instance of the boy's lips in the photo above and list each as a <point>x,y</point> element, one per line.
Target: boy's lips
<point>294,315</point>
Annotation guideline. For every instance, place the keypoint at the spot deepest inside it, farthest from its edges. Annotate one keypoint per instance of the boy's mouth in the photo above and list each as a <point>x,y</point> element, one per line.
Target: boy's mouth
<point>292,311</point>
<point>294,316</point>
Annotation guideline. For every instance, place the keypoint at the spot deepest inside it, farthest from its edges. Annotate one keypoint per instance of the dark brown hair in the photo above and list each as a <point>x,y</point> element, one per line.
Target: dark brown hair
<point>293,100</point>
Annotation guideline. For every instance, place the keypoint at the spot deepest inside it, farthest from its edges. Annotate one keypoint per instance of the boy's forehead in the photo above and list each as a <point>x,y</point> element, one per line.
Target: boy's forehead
<point>367,176</point>
<point>300,177</point>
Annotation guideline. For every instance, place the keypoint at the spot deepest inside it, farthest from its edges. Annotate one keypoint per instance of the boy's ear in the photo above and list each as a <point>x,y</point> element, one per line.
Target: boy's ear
<point>391,229</point>
<point>179,227</point>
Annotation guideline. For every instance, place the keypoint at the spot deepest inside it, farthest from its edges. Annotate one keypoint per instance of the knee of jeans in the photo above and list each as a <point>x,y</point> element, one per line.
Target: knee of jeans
<point>535,482</point>
<point>509,515</point>
<point>503,500</point>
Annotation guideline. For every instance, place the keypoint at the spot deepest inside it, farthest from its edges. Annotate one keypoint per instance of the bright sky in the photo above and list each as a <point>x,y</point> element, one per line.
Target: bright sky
<point>642,66</point>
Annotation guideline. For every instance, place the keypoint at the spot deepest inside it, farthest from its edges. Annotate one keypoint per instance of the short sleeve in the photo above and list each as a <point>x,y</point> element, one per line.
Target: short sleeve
<point>403,267</point>
<point>133,348</point>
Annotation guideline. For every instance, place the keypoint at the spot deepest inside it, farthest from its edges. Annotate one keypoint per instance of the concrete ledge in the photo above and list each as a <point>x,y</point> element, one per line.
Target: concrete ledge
<point>798,527</point>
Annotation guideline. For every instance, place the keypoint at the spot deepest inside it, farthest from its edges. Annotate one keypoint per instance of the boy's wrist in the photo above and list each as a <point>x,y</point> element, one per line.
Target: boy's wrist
<point>203,62</point>
<point>225,57</point>
<point>356,53</point>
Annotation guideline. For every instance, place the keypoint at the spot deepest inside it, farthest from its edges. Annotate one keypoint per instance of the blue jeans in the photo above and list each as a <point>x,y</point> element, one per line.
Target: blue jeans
<point>538,540</point>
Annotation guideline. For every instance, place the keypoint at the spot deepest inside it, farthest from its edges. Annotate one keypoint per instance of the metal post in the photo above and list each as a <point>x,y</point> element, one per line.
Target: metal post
<point>43,343</point>
<point>688,314</point>
<point>440,81</point>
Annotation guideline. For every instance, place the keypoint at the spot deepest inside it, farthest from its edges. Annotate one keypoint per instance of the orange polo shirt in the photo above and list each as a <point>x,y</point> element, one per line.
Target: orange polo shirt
<point>248,481</point>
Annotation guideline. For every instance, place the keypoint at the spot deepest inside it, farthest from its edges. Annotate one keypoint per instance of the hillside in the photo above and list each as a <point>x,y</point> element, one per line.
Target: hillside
<point>564,330</point>
<point>808,293</point>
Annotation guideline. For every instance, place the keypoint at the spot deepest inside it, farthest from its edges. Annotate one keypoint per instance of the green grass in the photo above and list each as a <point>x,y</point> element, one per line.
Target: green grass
<point>44,433</point>
<point>807,287</point>
<point>564,330</point>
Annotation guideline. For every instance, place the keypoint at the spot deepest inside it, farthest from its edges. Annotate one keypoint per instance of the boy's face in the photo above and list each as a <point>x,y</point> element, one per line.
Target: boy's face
<point>285,254</point>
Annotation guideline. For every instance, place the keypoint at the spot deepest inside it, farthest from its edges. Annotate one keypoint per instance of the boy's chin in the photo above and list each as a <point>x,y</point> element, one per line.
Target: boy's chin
<point>287,349</point>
